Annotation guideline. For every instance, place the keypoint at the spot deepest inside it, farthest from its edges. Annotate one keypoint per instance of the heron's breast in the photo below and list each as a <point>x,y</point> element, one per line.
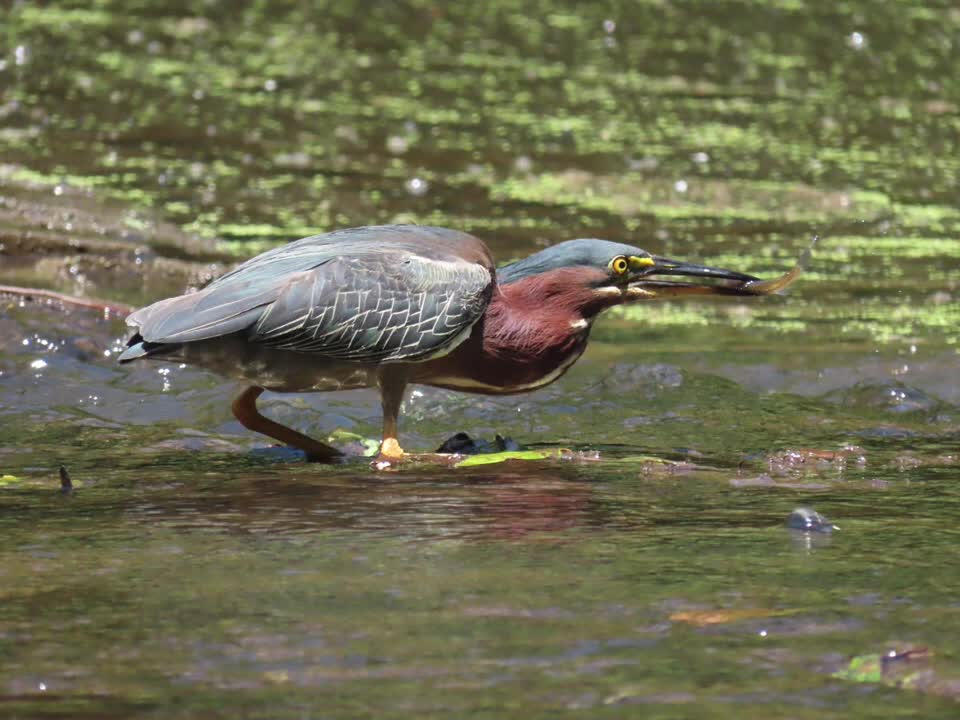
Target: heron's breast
<point>504,364</point>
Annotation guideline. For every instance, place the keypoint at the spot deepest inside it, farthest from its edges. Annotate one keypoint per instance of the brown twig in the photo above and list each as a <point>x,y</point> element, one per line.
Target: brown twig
<point>105,306</point>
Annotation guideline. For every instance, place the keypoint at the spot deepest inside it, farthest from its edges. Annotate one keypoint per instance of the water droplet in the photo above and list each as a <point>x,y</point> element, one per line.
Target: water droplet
<point>397,145</point>
<point>609,26</point>
<point>42,687</point>
<point>58,190</point>
<point>270,85</point>
<point>681,186</point>
<point>417,186</point>
<point>857,40</point>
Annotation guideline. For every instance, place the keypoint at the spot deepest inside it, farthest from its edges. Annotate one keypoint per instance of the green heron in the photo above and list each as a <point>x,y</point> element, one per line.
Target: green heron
<point>396,305</point>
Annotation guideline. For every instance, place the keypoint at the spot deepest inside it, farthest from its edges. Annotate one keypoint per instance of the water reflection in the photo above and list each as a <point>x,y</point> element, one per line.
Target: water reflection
<point>505,505</point>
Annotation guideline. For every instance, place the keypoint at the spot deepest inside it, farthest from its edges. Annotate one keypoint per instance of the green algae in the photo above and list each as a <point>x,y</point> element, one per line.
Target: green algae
<point>180,566</point>
<point>506,456</point>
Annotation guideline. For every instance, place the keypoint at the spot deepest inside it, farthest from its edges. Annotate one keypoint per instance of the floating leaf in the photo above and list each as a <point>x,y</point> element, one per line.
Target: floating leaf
<point>702,618</point>
<point>493,458</point>
<point>863,668</point>
<point>905,668</point>
<point>368,447</point>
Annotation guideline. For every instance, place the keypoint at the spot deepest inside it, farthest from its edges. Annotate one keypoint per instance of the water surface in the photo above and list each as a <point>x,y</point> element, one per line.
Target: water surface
<point>147,146</point>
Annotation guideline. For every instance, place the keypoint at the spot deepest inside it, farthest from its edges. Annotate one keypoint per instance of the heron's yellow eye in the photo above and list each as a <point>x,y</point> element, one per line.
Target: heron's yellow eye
<point>619,265</point>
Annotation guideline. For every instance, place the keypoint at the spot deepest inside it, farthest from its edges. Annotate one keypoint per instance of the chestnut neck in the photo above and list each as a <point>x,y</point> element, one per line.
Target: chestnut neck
<point>532,332</point>
<point>569,290</point>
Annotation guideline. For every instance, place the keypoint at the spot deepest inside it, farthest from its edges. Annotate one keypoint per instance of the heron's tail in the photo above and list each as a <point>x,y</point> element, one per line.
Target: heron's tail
<point>137,348</point>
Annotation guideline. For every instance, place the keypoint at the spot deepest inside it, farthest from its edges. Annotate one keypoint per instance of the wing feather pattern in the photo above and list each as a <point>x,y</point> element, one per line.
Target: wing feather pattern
<point>366,294</point>
<point>369,309</point>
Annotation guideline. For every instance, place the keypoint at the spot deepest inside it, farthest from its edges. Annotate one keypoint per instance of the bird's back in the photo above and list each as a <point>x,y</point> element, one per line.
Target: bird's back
<point>430,243</point>
<point>377,293</point>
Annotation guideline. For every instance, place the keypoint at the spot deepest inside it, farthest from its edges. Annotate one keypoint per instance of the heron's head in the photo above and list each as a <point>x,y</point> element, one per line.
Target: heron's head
<point>621,273</point>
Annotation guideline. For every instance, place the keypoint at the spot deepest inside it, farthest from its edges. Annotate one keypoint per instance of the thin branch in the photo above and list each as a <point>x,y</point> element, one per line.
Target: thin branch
<point>104,306</point>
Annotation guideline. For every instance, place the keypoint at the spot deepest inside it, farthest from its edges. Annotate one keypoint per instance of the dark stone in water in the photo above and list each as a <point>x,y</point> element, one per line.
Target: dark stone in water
<point>891,395</point>
<point>66,484</point>
<point>463,444</point>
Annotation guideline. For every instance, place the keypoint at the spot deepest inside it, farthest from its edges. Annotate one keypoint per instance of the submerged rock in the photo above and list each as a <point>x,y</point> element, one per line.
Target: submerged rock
<point>809,520</point>
<point>463,444</point>
<point>890,395</point>
<point>796,460</point>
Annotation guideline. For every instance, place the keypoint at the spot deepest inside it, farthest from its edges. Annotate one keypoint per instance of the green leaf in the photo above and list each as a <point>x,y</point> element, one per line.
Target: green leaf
<point>863,668</point>
<point>371,446</point>
<point>493,458</point>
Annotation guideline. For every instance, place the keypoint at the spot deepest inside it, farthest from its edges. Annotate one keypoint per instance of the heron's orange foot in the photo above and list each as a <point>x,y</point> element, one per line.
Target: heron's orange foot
<point>390,449</point>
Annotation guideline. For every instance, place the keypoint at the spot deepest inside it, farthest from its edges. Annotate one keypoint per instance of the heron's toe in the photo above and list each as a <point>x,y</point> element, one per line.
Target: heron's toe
<point>391,449</point>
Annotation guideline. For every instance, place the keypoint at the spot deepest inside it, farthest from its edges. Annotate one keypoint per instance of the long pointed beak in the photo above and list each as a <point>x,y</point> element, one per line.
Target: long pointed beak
<point>666,266</point>
<point>648,285</point>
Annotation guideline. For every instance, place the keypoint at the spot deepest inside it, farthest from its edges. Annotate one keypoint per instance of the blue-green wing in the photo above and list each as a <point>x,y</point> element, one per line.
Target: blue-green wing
<point>376,308</point>
<point>379,294</point>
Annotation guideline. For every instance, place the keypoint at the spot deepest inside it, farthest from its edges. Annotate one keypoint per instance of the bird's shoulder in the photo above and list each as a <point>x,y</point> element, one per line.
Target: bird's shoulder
<point>385,243</point>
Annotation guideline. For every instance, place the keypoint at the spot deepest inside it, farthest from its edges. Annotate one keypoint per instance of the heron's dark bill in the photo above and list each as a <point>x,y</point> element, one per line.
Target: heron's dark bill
<point>650,286</point>
<point>666,266</point>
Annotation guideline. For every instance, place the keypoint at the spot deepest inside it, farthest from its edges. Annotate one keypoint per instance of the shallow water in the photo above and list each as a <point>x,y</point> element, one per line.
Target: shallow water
<point>192,573</point>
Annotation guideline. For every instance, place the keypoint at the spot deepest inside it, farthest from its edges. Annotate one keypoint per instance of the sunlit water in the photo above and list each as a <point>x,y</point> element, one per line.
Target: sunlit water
<point>191,573</point>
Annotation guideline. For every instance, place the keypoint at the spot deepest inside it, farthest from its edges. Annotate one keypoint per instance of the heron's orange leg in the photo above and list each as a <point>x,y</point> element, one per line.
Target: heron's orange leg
<point>391,396</point>
<point>245,410</point>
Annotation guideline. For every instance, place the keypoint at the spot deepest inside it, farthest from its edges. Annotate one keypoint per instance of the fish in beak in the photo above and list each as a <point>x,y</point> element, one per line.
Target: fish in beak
<point>647,278</point>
